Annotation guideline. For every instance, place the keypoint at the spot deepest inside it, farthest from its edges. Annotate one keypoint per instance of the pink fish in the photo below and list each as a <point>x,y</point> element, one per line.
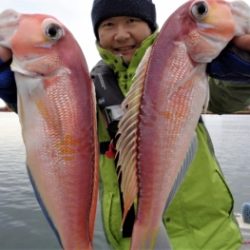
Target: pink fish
<point>56,107</point>
<point>162,109</point>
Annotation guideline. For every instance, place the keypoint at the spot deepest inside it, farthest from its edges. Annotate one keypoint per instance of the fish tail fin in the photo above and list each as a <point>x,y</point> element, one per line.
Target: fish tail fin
<point>149,237</point>
<point>143,237</point>
<point>162,240</point>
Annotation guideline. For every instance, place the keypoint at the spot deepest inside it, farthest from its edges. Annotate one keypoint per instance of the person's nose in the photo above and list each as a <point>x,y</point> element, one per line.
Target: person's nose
<point>122,34</point>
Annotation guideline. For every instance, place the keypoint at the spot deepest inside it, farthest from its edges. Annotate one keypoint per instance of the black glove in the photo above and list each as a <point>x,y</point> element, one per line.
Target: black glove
<point>233,64</point>
<point>8,90</point>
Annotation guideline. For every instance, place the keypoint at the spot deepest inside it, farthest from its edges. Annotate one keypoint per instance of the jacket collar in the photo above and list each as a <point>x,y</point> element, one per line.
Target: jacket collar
<point>125,72</point>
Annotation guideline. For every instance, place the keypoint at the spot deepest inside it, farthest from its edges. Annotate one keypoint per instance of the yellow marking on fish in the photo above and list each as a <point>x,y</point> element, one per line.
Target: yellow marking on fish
<point>43,109</point>
<point>66,145</point>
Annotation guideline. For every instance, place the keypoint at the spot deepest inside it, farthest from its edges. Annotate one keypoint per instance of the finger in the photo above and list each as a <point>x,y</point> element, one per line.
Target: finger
<point>5,54</point>
<point>242,42</point>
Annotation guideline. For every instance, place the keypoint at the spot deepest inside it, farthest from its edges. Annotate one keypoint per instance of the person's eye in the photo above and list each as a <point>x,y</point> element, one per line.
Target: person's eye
<point>107,24</point>
<point>132,20</point>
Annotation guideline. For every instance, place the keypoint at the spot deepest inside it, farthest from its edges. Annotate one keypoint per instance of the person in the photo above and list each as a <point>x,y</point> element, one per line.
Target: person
<point>200,215</point>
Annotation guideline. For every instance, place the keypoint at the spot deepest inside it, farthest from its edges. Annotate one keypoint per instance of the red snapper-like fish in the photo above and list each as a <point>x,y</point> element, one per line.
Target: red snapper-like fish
<point>162,109</point>
<point>56,107</point>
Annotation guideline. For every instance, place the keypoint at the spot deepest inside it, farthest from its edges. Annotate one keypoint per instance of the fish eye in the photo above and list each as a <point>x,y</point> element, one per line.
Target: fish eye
<point>53,30</point>
<point>199,10</point>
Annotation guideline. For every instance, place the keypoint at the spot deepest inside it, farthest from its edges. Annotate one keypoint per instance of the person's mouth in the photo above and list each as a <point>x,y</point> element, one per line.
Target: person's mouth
<point>126,50</point>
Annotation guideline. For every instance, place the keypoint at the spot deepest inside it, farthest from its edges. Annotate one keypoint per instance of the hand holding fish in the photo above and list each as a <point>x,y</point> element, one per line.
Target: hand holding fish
<point>5,54</point>
<point>242,42</point>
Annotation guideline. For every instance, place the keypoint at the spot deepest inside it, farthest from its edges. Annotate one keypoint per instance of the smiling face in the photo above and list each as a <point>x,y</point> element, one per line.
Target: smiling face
<point>123,35</point>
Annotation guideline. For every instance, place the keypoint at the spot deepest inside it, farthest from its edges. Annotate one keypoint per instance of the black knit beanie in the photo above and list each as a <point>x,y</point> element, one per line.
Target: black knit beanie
<point>103,9</point>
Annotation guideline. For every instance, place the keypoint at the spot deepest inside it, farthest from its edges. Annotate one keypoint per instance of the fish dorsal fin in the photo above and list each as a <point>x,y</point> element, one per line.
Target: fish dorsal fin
<point>128,136</point>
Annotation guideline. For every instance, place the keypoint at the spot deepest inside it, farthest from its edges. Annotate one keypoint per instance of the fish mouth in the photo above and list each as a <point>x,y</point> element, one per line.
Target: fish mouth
<point>15,67</point>
<point>26,68</point>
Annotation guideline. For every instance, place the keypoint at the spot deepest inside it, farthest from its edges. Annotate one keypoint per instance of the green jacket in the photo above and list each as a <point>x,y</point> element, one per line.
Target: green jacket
<point>201,214</point>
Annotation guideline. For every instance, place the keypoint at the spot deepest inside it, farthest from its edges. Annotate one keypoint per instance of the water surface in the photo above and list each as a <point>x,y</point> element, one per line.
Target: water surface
<point>22,225</point>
